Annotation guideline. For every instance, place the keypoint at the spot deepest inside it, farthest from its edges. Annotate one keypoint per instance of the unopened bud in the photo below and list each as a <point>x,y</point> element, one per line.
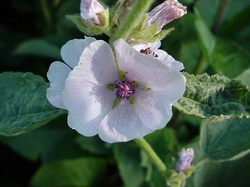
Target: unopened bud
<point>165,13</point>
<point>91,12</point>
<point>186,156</point>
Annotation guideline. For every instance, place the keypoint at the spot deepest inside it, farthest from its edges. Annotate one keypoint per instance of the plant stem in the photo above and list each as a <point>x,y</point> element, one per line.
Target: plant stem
<point>45,11</point>
<point>132,19</point>
<point>199,63</point>
<point>219,15</point>
<point>152,155</point>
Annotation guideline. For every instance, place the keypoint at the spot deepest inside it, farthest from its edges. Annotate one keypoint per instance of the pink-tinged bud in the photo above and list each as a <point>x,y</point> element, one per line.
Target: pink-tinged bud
<point>91,12</point>
<point>186,156</point>
<point>165,13</point>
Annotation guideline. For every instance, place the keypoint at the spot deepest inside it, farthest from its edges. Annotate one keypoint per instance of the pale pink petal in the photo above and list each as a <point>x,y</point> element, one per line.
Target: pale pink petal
<point>73,49</point>
<point>155,105</point>
<point>169,60</point>
<point>57,74</point>
<point>153,46</point>
<point>86,95</point>
<point>154,110</point>
<point>87,102</point>
<point>138,67</point>
<point>98,63</point>
<point>122,124</point>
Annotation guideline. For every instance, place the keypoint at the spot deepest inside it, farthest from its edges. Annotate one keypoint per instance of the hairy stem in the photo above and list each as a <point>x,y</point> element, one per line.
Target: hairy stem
<point>152,155</point>
<point>132,19</point>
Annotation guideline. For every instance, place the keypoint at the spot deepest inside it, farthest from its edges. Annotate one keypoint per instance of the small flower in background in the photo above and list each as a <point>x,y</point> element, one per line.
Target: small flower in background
<point>165,13</point>
<point>151,49</point>
<point>186,156</point>
<point>120,106</point>
<point>59,71</point>
<point>91,12</point>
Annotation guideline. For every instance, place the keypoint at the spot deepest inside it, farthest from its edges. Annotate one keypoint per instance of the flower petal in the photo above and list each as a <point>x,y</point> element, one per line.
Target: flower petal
<point>86,95</point>
<point>87,102</point>
<point>155,105</point>
<point>122,124</point>
<point>139,67</point>
<point>98,64</point>
<point>169,60</point>
<point>57,74</point>
<point>154,110</point>
<point>153,46</point>
<point>73,49</point>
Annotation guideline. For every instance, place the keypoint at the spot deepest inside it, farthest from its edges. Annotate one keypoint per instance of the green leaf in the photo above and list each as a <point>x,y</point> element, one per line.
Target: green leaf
<point>38,47</point>
<point>245,77</point>
<point>227,139</point>
<point>83,172</point>
<point>24,106</point>
<point>214,174</point>
<point>214,97</point>
<point>223,55</point>
<point>92,144</point>
<point>49,142</point>
<point>91,29</point>
<point>128,160</point>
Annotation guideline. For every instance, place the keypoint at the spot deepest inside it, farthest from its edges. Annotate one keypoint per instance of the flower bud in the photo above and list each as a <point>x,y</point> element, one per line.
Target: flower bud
<point>91,12</point>
<point>165,13</point>
<point>186,156</point>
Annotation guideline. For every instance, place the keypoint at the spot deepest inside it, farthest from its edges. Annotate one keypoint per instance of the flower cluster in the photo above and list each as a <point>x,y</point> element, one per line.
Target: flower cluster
<point>119,94</point>
<point>102,101</point>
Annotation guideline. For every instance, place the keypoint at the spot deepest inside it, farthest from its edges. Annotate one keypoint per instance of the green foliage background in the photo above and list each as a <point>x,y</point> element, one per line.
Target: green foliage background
<point>212,117</point>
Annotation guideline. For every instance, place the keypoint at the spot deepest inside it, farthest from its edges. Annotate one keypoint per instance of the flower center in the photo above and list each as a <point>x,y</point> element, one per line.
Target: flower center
<point>125,89</point>
<point>148,51</point>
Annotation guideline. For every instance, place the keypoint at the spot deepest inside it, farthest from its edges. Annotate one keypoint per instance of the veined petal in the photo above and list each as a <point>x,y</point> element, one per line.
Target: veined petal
<point>153,46</point>
<point>169,60</point>
<point>57,74</point>
<point>87,102</point>
<point>154,111</point>
<point>73,49</point>
<point>139,67</point>
<point>122,124</point>
<point>97,63</point>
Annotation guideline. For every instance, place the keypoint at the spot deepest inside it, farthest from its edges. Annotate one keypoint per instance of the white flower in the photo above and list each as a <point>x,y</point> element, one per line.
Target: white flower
<point>186,156</point>
<point>165,13</point>
<point>146,92</point>
<point>91,11</point>
<point>151,49</point>
<point>59,71</point>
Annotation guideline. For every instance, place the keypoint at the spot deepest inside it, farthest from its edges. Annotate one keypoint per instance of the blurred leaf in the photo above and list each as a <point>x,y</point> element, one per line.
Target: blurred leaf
<point>38,47</point>
<point>207,10</point>
<point>92,144</point>
<point>85,172</point>
<point>127,156</point>
<point>214,174</point>
<point>24,106</point>
<point>245,77</point>
<point>227,139</point>
<point>163,142</point>
<point>50,142</point>
<point>214,98</point>
<point>238,25</point>
<point>224,56</point>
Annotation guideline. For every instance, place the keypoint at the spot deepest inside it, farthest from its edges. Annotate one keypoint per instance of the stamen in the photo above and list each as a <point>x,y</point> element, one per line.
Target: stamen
<point>148,51</point>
